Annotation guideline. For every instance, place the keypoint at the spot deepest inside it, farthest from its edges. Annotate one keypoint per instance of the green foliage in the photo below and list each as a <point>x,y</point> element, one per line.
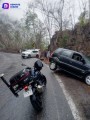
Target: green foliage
<point>82,18</point>
<point>62,42</point>
<point>17,36</point>
<point>36,30</point>
<point>44,45</point>
<point>30,20</point>
<point>28,45</point>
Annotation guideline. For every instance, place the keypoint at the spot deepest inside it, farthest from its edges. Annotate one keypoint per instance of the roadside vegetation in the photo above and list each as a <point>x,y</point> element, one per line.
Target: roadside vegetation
<point>47,25</point>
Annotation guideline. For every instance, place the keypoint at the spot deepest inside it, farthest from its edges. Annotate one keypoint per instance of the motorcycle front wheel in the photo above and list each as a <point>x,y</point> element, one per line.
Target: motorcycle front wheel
<point>36,102</point>
<point>44,80</point>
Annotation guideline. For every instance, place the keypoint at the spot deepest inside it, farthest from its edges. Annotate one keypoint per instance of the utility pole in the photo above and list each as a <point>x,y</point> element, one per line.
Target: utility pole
<point>89,10</point>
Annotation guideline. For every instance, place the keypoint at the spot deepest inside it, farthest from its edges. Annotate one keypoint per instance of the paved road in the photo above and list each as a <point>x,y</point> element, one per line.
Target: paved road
<point>11,108</point>
<point>80,93</point>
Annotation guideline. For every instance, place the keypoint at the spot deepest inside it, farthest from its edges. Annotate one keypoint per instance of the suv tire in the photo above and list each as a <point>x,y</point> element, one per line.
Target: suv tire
<point>53,66</point>
<point>37,56</point>
<point>87,79</point>
<point>29,56</point>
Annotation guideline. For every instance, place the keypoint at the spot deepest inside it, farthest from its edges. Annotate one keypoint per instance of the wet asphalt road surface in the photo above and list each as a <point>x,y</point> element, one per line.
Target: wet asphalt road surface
<point>79,91</point>
<point>12,108</point>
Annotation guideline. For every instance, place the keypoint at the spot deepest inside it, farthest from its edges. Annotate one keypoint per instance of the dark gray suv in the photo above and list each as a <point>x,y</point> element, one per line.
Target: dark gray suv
<point>72,62</point>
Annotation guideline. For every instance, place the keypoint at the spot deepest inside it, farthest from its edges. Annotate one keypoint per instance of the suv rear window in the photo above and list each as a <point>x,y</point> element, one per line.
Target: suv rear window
<point>58,50</point>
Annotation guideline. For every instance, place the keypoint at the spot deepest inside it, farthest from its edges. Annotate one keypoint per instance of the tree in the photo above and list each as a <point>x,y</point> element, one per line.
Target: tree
<point>83,19</point>
<point>35,29</point>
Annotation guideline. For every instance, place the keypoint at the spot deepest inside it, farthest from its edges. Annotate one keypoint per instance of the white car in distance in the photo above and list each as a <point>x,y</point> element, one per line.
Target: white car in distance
<point>31,53</point>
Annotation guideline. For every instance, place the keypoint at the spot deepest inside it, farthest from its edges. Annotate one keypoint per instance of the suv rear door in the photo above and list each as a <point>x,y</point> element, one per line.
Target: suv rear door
<point>34,53</point>
<point>78,67</point>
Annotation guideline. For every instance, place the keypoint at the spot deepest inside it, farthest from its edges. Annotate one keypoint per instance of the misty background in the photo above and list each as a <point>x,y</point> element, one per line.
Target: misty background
<point>34,23</point>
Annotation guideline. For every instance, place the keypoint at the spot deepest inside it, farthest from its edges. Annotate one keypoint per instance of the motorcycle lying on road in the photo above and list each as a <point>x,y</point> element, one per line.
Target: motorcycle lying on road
<point>31,81</point>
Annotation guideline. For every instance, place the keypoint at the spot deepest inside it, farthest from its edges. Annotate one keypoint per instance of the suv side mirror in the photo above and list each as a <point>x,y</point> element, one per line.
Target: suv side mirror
<point>83,61</point>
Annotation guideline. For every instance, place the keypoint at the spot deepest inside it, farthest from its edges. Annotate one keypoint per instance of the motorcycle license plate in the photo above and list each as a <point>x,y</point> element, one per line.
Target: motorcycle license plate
<point>28,92</point>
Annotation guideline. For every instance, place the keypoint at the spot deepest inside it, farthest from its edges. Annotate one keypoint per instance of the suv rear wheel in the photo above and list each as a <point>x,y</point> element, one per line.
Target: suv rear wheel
<point>53,66</point>
<point>87,79</point>
<point>37,56</point>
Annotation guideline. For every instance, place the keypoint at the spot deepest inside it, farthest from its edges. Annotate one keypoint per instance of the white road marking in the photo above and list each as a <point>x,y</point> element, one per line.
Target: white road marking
<point>70,101</point>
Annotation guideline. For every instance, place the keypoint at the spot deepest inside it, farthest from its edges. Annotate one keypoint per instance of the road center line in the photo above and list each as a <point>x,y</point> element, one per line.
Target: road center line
<point>70,101</point>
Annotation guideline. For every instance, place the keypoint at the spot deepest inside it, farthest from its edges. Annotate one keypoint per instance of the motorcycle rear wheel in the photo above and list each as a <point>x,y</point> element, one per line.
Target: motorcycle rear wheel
<point>36,102</point>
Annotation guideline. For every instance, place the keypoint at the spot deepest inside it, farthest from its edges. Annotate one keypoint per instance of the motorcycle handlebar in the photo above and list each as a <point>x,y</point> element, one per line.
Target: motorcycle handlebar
<point>1,75</point>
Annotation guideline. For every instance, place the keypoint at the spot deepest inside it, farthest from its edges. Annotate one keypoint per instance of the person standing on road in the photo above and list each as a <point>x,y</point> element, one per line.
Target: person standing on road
<point>48,55</point>
<point>45,55</point>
